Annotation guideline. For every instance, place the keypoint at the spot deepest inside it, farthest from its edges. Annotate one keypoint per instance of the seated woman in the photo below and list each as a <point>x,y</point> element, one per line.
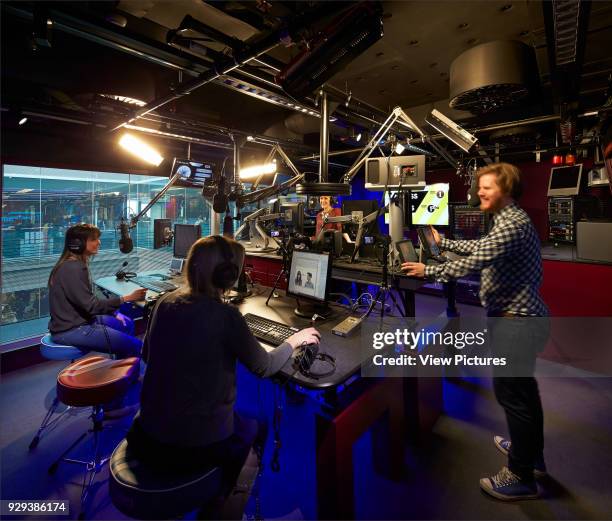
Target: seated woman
<point>78,318</point>
<point>326,210</point>
<point>193,341</point>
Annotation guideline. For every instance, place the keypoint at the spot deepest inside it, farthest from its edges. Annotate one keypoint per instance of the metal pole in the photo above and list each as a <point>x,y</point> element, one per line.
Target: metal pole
<point>324,139</point>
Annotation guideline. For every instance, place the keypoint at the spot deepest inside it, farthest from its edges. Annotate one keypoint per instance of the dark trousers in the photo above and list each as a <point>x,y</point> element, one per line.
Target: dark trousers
<point>519,340</point>
<point>229,454</point>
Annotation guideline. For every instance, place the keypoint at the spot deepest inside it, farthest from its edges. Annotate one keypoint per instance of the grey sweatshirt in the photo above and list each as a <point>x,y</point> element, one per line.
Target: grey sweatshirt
<point>72,302</point>
<point>189,388</point>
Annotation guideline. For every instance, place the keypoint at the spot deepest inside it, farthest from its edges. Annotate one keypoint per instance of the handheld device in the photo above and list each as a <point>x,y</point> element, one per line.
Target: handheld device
<point>429,243</point>
<point>347,326</point>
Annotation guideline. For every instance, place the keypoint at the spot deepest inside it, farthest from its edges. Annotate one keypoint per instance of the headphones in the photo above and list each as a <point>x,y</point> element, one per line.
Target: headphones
<point>226,273</point>
<point>333,200</point>
<point>76,239</point>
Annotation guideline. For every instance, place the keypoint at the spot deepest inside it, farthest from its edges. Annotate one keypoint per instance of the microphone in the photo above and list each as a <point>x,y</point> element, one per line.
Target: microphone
<point>228,228</point>
<point>472,195</point>
<point>220,198</point>
<point>126,245</point>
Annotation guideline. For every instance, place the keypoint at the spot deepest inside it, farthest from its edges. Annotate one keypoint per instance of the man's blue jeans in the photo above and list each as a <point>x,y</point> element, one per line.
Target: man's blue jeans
<point>106,334</point>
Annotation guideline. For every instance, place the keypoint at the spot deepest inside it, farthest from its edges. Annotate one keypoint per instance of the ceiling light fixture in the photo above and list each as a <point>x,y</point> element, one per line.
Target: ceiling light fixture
<point>140,149</point>
<point>257,170</point>
<point>22,121</point>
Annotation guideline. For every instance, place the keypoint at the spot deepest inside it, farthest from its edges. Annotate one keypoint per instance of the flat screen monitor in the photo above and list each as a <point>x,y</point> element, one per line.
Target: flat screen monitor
<point>309,275</point>
<point>430,206</point>
<point>393,172</point>
<point>294,216</point>
<point>192,173</point>
<point>565,180</point>
<point>184,236</point>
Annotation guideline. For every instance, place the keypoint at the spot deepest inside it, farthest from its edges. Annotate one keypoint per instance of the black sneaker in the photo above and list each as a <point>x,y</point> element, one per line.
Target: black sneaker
<point>503,445</point>
<point>507,486</point>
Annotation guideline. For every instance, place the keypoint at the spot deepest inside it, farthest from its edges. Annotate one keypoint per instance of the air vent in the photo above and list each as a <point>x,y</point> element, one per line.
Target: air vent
<point>492,76</point>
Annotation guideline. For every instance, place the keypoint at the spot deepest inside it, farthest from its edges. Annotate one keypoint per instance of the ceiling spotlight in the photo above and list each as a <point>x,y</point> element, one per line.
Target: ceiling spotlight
<point>399,148</point>
<point>140,149</point>
<point>257,170</point>
<point>250,138</point>
<point>358,137</point>
<point>22,121</point>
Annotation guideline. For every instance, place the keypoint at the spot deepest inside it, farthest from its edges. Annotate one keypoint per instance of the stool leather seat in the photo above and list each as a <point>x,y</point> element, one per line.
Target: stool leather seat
<point>143,492</point>
<point>54,351</point>
<point>96,380</point>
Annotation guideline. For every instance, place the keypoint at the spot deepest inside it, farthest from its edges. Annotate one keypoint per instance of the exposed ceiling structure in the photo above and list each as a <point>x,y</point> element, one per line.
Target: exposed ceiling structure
<point>207,71</point>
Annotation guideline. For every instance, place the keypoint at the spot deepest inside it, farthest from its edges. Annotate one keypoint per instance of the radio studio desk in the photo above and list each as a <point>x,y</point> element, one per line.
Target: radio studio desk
<point>349,405</point>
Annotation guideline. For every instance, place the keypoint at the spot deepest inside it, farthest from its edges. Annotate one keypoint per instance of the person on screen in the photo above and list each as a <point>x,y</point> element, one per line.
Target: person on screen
<point>327,210</point>
<point>187,419</point>
<point>510,265</point>
<point>298,278</point>
<point>78,317</point>
<point>309,283</point>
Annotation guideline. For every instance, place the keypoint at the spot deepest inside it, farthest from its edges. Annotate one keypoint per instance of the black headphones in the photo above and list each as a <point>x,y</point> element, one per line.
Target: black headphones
<point>226,273</point>
<point>76,239</point>
<point>333,200</point>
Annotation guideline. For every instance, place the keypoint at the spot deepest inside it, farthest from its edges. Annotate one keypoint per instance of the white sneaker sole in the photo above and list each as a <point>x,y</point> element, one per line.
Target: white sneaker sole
<point>486,487</point>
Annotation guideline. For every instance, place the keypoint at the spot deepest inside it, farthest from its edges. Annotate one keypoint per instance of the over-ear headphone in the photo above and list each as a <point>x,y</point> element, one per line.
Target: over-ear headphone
<point>226,273</point>
<point>76,239</point>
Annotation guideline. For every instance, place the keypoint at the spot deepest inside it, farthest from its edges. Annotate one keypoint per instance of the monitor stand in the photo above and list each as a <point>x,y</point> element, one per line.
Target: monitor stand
<point>309,309</point>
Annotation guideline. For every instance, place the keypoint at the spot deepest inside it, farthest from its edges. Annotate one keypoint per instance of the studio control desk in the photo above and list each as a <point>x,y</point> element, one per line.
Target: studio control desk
<point>347,405</point>
<point>264,267</point>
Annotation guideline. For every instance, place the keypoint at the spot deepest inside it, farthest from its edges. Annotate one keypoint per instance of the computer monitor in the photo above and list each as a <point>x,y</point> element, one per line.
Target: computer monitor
<point>565,180</point>
<point>162,232</point>
<point>392,172</point>
<point>308,279</point>
<point>429,206</point>
<point>294,216</point>
<point>192,174</point>
<point>184,236</point>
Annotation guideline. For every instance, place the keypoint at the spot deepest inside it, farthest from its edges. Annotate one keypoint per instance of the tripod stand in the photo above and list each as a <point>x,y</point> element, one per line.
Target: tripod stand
<point>284,249</point>
<point>384,290</point>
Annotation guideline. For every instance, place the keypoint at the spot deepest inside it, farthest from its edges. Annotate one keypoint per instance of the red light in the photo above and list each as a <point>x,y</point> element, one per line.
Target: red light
<point>557,160</point>
<point>570,159</point>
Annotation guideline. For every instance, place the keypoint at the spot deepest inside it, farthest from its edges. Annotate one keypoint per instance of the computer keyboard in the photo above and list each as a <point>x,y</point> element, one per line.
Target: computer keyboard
<point>160,286</point>
<point>269,331</point>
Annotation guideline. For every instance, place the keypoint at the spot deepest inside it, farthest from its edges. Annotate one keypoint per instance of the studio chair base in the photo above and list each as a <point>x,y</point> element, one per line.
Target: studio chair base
<point>54,351</point>
<point>90,383</point>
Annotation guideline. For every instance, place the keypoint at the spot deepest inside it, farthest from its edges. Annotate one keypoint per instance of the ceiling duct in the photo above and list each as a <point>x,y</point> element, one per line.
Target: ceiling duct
<point>345,38</point>
<point>566,15</point>
<point>491,76</point>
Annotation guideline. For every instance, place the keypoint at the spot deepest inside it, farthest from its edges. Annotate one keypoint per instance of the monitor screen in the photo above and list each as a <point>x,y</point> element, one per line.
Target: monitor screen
<point>565,180</point>
<point>294,216</point>
<point>184,236</point>
<point>430,206</point>
<point>192,173</point>
<point>309,274</point>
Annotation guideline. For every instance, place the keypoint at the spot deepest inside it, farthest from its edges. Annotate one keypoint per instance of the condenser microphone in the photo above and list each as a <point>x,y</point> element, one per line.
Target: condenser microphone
<point>472,195</point>
<point>220,199</point>
<point>126,245</point>
<point>228,225</point>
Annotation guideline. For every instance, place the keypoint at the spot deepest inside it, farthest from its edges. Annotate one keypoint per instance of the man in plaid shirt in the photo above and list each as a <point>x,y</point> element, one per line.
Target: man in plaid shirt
<point>510,266</point>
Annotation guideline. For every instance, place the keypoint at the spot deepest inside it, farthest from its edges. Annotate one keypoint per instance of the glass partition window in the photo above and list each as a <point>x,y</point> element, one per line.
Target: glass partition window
<point>40,204</point>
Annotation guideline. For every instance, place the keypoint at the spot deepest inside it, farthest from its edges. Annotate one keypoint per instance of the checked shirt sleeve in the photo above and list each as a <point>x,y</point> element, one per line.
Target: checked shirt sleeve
<point>460,247</point>
<point>501,242</point>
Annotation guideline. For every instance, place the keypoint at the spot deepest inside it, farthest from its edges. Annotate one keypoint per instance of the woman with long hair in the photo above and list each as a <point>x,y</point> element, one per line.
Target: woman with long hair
<point>78,317</point>
<point>193,341</point>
